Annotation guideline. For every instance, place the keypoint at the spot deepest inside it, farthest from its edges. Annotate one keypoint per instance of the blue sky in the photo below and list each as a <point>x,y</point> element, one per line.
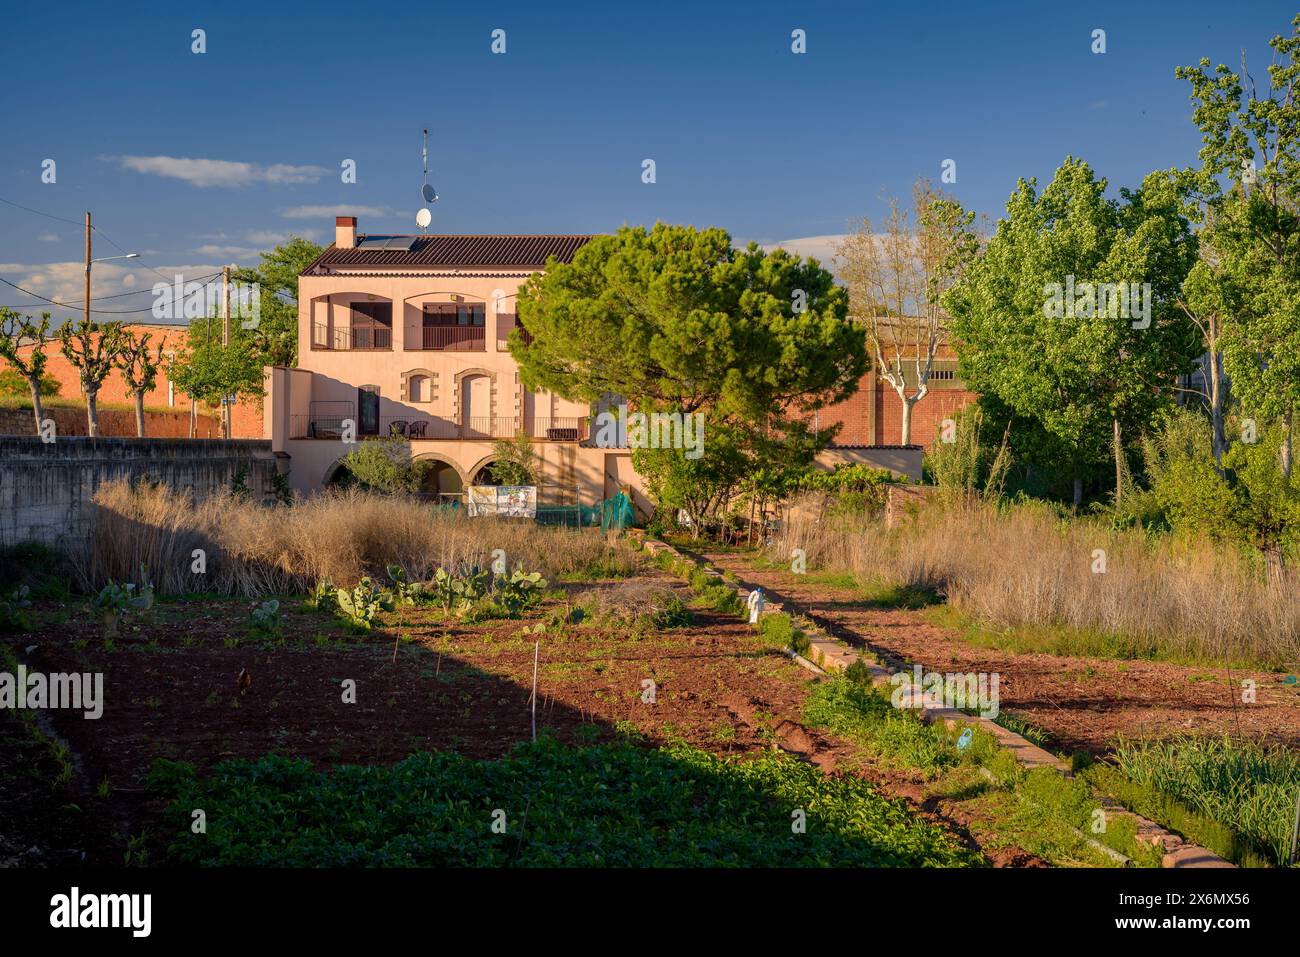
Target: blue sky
<point>550,136</point>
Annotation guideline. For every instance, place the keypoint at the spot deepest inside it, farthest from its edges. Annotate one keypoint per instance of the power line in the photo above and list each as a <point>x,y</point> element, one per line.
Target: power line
<point>39,213</point>
<point>107,238</point>
<point>82,306</point>
<point>120,295</point>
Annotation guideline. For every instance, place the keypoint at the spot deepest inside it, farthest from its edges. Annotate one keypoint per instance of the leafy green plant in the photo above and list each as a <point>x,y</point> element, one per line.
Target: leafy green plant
<point>114,601</point>
<point>361,606</point>
<point>778,629</point>
<point>405,592</point>
<point>601,803</point>
<point>460,590</point>
<point>1247,787</point>
<point>519,590</point>
<point>265,618</point>
<point>324,597</point>
<point>13,615</point>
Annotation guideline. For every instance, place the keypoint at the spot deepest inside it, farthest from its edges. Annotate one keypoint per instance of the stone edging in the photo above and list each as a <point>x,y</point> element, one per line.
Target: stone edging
<point>833,654</point>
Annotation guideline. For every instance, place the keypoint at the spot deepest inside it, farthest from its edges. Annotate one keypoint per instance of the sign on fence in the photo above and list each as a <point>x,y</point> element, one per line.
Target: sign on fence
<point>514,501</point>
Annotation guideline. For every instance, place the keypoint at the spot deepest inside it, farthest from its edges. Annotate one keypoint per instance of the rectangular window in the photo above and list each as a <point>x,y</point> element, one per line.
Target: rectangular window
<point>454,314</point>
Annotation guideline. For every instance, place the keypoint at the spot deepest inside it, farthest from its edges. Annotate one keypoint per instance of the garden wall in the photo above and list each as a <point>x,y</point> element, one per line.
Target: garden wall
<point>46,488</point>
<point>72,421</point>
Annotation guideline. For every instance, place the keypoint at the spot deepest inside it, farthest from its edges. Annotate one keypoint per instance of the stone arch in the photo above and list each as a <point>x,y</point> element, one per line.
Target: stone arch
<point>432,376</point>
<point>332,472</point>
<point>467,296</point>
<point>472,473</point>
<point>445,460</point>
<point>464,374</point>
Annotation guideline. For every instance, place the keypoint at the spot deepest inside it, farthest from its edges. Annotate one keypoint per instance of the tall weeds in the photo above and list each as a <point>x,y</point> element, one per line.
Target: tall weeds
<point>250,550</point>
<point>1024,565</point>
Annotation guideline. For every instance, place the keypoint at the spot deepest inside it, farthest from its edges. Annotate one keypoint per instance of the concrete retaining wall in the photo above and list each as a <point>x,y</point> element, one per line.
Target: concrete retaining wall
<point>46,488</point>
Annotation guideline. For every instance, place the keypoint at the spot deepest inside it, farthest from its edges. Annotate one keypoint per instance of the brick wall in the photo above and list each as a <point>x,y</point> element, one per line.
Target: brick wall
<point>876,403</point>
<point>112,422</point>
<point>927,415</point>
<point>246,416</point>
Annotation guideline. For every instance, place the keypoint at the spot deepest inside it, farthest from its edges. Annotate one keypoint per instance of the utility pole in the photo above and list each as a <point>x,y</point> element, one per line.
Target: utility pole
<point>225,343</point>
<point>87,287</point>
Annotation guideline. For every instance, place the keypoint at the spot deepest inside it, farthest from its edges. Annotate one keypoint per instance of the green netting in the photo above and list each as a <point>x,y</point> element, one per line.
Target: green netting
<point>616,513</point>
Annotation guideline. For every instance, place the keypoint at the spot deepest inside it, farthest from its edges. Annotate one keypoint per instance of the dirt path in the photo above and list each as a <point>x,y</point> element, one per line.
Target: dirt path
<point>1084,703</point>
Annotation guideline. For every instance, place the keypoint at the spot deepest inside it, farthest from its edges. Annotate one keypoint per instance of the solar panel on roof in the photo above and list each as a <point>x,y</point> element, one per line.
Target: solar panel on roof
<point>373,243</point>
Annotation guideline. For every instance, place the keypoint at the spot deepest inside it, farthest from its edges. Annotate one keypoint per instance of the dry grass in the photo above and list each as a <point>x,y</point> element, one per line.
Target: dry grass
<point>1024,566</point>
<point>252,550</point>
<point>628,601</point>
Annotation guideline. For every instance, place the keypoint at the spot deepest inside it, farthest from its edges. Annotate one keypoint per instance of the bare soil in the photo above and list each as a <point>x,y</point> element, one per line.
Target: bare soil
<point>172,690</point>
<point>1085,704</point>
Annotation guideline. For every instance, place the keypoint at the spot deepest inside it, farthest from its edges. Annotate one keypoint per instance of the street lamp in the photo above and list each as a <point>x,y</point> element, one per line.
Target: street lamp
<point>101,259</point>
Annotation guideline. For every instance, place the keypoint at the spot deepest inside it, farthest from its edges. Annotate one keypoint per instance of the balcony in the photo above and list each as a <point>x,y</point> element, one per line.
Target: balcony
<point>447,339</point>
<point>329,424</point>
<point>504,326</point>
<point>364,339</point>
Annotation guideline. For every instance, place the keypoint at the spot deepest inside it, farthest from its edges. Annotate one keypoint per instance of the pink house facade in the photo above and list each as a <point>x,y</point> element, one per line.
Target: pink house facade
<point>407,335</point>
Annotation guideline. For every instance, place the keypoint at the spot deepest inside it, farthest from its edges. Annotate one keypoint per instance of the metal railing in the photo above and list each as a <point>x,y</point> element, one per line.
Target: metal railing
<point>329,424</point>
<point>447,339</point>
<point>351,339</point>
<point>506,324</point>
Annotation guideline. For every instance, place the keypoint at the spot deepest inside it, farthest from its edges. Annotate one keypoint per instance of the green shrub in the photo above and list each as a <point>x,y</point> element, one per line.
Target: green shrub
<point>778,629</point>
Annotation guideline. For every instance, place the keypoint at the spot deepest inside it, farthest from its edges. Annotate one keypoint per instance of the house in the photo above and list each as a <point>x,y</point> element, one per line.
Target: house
<point>408,335</point>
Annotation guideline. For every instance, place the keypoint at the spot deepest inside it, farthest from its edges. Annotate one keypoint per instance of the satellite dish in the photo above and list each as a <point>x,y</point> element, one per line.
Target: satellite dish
<point>429,195</point>
<point>423,218</point>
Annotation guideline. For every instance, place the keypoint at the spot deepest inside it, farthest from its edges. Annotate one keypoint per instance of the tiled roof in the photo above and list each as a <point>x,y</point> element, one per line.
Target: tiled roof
<point>468,251</point>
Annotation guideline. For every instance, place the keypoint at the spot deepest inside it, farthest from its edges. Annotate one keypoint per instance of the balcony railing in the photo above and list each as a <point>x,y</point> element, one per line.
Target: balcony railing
<point>365,339</point>
<point>447,339</point>
<point>330,425</point>
<point>505,324</point>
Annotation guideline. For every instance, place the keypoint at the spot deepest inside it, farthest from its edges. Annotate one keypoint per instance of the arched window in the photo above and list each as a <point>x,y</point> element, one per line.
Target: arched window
<point>417,389</point>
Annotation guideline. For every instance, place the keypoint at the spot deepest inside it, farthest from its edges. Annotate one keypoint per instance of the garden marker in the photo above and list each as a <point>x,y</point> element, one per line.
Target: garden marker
<point>536,646</point>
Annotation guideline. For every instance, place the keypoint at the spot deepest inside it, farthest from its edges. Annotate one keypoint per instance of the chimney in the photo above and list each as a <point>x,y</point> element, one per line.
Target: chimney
<point>345,232</point>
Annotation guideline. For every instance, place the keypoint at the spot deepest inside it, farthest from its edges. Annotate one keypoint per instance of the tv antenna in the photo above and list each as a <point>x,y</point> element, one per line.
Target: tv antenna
<point>424,217</point>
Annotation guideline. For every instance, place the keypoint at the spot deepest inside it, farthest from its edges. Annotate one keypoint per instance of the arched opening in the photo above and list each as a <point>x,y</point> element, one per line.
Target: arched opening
<point>476,404</point>
<point>339,476</point>
<point>440,478</point>
<point>486,475</point>
<point>417,388</point>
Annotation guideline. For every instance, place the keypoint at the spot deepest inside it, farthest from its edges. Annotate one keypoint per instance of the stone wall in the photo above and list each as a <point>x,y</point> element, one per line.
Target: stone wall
<point>46,488</point>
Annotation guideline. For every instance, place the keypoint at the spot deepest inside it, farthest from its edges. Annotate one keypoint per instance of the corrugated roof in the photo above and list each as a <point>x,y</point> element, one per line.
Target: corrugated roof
<point>531,251</point>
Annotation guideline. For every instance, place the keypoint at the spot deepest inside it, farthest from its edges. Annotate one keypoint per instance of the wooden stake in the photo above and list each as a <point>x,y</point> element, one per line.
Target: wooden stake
<point>1295,831</point>
<point>536,647</point>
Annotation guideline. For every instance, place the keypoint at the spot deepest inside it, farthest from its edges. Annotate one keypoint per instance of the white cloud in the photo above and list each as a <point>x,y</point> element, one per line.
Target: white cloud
<point>63,282</point>
<point>224,173</point>
<point>230,252</point>
<point>325,212</point>
<point>821,248</point>
<point>269,238</point>
<point>48,238</point>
